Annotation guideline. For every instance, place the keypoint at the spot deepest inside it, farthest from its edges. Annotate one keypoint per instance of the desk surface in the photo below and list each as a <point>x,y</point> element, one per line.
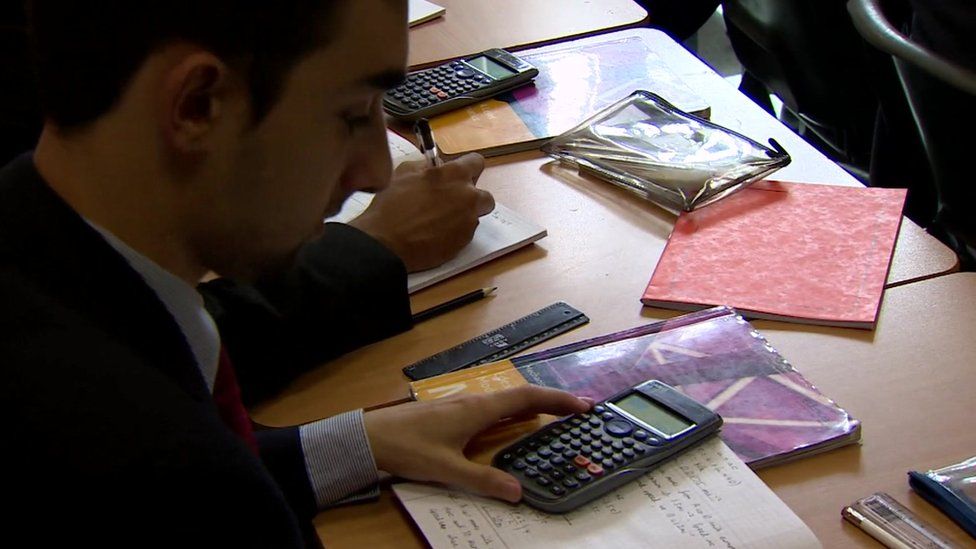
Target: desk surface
<point>469,27</point>
<point>602,246</point>
<point>908,382</point>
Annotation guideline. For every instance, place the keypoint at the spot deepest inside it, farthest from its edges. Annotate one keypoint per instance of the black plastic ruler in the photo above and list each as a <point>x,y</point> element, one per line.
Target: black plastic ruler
<point>502,342</point>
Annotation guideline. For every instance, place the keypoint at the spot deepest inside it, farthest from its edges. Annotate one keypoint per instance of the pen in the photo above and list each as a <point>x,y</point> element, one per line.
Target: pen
<point>455,303</point>
<point>872,529</point>
<point>427,145</point>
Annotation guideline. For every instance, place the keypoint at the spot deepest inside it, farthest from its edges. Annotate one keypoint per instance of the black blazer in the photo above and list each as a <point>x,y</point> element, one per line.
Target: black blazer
<point>111,433</point>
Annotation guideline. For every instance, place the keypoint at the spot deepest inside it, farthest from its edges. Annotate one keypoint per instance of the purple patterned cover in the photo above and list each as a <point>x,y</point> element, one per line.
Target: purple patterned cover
<point>772,413</point>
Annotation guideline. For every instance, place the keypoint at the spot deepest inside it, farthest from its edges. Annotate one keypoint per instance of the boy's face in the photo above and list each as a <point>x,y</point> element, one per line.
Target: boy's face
<point>269,188</point>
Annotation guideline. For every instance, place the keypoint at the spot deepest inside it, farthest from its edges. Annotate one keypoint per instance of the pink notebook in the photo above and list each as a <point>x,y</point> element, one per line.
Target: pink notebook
<point>816,254</point>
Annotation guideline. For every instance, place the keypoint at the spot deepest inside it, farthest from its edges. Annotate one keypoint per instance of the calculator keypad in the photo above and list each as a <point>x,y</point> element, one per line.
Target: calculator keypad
<point>429,87</point>
<point>575,452</point>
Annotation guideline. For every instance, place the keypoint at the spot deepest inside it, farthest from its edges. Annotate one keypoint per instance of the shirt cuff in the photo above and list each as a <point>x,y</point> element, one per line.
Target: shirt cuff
<point>339,460</point>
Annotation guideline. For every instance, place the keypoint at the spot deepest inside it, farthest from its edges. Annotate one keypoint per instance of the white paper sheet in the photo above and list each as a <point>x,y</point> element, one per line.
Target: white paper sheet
<point>705,498</point>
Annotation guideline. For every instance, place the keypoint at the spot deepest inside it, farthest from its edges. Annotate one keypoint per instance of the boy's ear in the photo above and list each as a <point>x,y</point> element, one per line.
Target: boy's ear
<point>195,95</point>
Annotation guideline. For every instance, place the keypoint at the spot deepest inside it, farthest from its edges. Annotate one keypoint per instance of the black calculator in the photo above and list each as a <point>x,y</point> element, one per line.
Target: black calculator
<point>456,84</point>
<point>582,457</point>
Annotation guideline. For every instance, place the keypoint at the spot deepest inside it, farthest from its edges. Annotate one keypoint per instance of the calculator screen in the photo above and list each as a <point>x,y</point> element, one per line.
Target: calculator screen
<point>489,67</point>
<point>653,414</point>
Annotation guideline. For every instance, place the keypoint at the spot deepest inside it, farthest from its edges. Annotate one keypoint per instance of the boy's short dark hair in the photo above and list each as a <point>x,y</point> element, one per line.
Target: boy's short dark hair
<point>85,53</point>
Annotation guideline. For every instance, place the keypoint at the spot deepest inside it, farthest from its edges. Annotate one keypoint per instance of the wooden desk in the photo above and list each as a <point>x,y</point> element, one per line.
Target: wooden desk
<point>909,382</point>
<point>469,26</point>
<point>602,246</point>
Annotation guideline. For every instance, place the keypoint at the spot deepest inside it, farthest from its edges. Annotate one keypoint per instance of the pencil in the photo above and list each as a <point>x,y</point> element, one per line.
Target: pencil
<point>427,145</point>
<point>455,303</point>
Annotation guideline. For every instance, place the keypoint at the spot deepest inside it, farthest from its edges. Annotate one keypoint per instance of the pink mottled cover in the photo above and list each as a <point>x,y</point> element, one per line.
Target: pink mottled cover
<point>772,413</point>
<point>806,253</point>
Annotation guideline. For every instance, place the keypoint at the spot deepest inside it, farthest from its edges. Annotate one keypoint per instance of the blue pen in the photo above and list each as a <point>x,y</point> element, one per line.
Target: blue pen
<point>427,145</point>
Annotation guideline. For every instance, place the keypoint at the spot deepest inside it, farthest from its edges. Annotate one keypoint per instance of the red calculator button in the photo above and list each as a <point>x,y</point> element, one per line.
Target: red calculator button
<point>595,470</point>
<point>581,461</point>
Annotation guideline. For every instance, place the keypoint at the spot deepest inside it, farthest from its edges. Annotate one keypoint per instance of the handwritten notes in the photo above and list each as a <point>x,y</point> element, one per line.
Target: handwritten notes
<point>706,498</point>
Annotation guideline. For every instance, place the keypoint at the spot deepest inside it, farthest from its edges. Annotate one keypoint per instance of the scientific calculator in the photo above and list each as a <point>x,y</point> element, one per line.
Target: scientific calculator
<point>456,84</point>
<point>582,457</point>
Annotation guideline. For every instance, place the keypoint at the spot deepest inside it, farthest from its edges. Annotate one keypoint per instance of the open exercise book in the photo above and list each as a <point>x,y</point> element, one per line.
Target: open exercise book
<point>706,497</point>
<point>499,232</point>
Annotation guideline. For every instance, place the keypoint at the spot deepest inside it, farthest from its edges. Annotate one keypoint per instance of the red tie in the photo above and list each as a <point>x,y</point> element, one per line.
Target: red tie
<point>227,397</point>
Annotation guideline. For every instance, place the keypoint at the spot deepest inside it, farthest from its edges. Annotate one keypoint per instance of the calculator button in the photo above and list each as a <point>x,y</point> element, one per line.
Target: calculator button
<point>640,448</point>
<point>557,490</point>
<point>557,460</point>
<point>583,476</point>
<point>521,450</point>
<point>628,441</point>
<point>534,444</point>
<point>569,468</point>
<point>596,422</point>
<point>506,457</point>
<point>544,466</point>
<point>531,473</point>
<point>606,440</point>
<point>545,452</point>
<point>617,458</point>
<point>586,417</point>
<point>595,470</point>
<point>556,474</point>
<point>547,438</point>
<point>618,428</point>
<point>585,427</point>
<point>596,456</point>
<point>576,444</point>
<point>585,450</point>
<point>599,409</point>
<point>565,437</point>
<point>596,444</point>
<point>607,416</point>
<point>543,481</point>
<point>557,446</point>
<point>570,482</point>
<point>466,73</point>
<point>581,461</point>
<point>519,465</point>
<point>617,445</point>
<point>570,454</point>
<point>586,439</point>
<point>608,464</point>
<point>412,104</point>
<point>434,89</point>
<point>628,453</point>
<point>640,435</point>
<point>556,431</point>
<point>652,440</point>
<point>576,421</point>
<point>575,432</point>
<point>423,102</point>
<point>532,458</point>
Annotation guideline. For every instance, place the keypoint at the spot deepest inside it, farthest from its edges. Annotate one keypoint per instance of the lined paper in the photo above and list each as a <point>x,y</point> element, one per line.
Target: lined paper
<point>705,498</point>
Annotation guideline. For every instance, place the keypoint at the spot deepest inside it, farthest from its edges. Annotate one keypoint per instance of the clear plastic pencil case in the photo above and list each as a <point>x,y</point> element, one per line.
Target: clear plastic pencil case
<point>675,159</point>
